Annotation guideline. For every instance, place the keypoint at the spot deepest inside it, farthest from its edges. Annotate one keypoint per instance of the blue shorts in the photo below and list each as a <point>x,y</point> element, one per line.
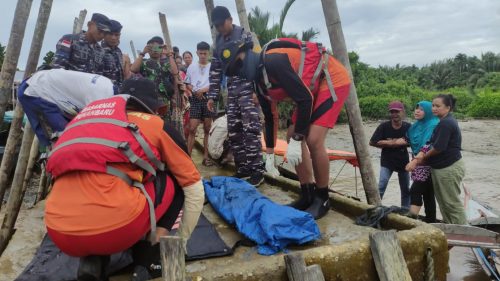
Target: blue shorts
<point>41,112</point>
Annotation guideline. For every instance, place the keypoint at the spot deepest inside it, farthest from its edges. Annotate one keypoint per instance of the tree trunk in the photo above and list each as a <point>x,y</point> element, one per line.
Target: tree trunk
<point>337,41</point>
<point>243,16</point>
<point>12,53</point>
<point>17,189</point>
<point>209,5</point>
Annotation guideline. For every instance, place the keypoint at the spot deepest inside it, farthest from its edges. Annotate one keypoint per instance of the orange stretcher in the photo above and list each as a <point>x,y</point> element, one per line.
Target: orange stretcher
<point>333,155</point>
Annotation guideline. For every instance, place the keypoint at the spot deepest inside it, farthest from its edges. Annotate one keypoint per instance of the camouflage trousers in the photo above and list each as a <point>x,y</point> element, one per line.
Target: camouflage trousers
<point>244,128</point>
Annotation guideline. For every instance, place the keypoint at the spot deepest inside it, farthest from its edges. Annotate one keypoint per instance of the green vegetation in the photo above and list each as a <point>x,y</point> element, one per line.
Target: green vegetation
<point>475,82</point>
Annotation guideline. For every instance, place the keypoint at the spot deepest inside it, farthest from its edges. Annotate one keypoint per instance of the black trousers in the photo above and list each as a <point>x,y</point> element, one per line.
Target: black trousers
<point>423,192</point>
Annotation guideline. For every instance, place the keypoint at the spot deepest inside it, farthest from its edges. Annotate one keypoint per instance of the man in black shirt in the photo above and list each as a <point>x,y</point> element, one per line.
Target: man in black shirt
<point>394,155</point>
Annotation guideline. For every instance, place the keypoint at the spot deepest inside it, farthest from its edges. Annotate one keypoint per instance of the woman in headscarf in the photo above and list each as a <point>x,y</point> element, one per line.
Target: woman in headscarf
<point>418,137</point>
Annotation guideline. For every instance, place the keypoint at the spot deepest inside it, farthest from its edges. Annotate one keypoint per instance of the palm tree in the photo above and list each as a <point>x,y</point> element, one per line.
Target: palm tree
<point>259,23</point>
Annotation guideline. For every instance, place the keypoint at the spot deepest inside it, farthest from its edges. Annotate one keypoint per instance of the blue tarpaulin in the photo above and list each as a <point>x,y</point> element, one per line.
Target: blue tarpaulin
<point>273,227</point>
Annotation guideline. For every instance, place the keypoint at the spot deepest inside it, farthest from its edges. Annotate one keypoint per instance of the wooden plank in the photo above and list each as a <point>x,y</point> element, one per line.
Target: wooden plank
<point>172,258</point>
<point>297,270</point>
<point>469,236</point>
<point>388,257</point>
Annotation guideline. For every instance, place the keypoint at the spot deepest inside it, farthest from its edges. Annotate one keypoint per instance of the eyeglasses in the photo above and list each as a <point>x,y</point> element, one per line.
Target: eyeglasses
<point>394,111</point>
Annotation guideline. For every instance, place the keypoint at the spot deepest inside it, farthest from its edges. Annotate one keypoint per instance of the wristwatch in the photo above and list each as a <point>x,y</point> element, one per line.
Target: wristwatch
<point>142,54</point>
<point>298,137</point>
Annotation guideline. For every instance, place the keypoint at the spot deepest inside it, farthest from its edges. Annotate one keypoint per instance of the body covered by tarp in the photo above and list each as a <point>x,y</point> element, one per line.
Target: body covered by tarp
<point>273,227</point>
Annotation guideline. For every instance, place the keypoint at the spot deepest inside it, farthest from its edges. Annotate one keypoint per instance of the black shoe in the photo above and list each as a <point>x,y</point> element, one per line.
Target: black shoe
<point>243,176</point>
<point>319,207</point>
<point>306,197</point>
<point>141,274</point>
<point>91,268</point>
<point>256,179</point>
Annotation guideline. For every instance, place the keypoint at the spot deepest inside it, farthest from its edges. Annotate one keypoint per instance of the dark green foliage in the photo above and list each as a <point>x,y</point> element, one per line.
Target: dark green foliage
<point>49,56</point>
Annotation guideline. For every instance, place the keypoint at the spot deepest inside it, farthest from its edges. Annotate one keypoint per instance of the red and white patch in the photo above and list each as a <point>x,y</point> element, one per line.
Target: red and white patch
<point>66,43</point>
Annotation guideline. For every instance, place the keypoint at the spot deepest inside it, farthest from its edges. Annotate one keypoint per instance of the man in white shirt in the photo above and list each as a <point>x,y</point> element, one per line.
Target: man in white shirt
<point>51,98</point>
<point>198,83</point>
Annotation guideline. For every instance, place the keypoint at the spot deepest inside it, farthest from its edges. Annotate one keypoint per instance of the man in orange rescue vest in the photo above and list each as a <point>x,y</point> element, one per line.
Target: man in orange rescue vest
<point>301,72</point>
<point>119,173</point>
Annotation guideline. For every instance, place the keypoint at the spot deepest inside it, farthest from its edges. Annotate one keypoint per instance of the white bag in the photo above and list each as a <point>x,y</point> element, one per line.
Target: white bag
<point>217,136</point>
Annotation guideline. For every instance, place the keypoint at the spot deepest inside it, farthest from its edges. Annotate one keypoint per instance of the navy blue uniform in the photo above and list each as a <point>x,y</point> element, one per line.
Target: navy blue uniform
<point>75,52</point>
<point>243,121</point>
<point>113,64</point>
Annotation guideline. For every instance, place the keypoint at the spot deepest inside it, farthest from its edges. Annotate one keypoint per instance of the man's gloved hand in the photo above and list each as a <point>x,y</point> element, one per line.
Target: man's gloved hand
<point>270,168</point>
<point>294,152</point>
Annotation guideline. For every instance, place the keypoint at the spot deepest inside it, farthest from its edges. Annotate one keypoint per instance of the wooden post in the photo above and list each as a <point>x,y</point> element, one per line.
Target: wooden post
<point>164,30</point>
<point>31,162</point>
<point>297,270</point>
<point>243,16</point>
<point>42,186</point>
<point>337,41</point>
<point>177,102</point>
<point>80,21</point>
<point>17,190</point>
<point>15,128</point>
<point>12,54</point>
<point>209,6</point>
<point>172,258</point>
<point>388,256</point>
<point>75,25</point>
<point>132,47</point>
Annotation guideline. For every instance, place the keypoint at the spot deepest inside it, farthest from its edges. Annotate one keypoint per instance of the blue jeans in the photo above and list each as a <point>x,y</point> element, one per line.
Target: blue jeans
<point>404,184</point>
<point>39,110</point>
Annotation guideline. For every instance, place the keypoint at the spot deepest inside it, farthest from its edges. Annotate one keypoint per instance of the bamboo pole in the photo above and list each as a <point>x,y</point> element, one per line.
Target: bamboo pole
<point>17,189</point>
<point>176,100</point>
<point>209,6</point>
<point>134,52</point>
<point>12,54</point>
<point>42,185</point>
<point>172,258</point>
<point>337,41</point>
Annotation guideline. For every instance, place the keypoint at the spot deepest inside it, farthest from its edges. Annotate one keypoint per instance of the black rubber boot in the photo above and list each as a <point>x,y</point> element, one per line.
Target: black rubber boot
<point>92,268</point>
<point>306,197</point>
<point>321,203</point>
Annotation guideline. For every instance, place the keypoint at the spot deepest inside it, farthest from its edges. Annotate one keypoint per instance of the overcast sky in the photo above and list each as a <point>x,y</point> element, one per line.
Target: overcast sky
<point>382,32</point>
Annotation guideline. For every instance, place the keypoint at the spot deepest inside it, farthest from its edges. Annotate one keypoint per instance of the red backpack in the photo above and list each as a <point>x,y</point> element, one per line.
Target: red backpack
<point>313,62</point>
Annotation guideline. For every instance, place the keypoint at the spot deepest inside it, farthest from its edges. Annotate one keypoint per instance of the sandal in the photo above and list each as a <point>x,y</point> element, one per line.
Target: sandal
<point>207,162</point>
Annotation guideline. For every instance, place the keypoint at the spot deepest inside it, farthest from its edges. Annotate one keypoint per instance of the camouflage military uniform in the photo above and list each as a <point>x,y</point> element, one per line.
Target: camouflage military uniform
<point>159,73</point>
<point>113,64</point>
<point>243,121</point>
<point>74,52</point>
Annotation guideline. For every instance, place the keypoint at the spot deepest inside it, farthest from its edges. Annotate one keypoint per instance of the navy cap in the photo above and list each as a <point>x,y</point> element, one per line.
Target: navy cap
<point>219,15</point>
<point>115,26</point>
<point>101,21</point>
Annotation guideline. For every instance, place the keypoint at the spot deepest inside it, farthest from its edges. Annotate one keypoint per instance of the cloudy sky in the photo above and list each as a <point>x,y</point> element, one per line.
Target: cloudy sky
<point>383,32</point>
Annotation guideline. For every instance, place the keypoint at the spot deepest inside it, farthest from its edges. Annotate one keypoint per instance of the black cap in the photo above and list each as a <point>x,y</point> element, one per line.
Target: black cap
<point>156,39</point>
<point>219,15</point>
<point>144,90</point>
<point>115,26</point>
<point>101,21</point>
